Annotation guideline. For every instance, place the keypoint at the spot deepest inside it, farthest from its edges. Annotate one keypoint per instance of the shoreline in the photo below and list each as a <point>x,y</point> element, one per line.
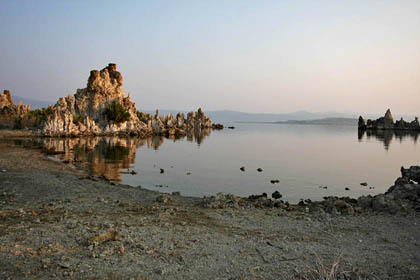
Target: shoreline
<point>50,213</point>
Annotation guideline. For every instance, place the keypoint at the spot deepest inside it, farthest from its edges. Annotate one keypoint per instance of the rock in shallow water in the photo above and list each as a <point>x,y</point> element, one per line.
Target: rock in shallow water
<point>276,195</point>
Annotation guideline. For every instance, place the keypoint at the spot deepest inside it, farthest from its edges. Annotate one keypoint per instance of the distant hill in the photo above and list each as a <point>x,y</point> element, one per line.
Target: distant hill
<point>325,121</point>
<point>225,116</point>
<point>235,116</point>
<point>255,117</point>
<point>35,104</point>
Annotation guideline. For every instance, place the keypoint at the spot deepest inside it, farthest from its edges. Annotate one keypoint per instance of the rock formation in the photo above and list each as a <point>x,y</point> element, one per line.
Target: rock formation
<point>7,105</point>
<point>85,112</point>
<point>103,109</point>
<point>176,125</point>
<point>387,123</point>
<point>10,114</point>
<point>6,99</point>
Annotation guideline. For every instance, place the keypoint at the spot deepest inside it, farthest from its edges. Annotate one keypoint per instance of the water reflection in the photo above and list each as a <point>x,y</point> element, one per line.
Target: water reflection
<point>386,136</point>
<point>105,156</point>
<point>302,158</point>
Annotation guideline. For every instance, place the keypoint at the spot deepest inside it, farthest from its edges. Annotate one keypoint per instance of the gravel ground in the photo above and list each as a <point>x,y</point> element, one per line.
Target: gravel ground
<point>57,222</point>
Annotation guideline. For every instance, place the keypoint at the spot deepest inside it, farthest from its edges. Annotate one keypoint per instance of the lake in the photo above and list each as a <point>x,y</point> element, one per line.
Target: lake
<point>310,161</point>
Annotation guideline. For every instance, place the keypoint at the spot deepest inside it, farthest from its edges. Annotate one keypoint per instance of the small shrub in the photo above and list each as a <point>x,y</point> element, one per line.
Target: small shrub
<point>142,116</point>
<point>35,117</point>
<point>320,271</point>
<point>78,118</point>
<point>40,114</point>
<point>117,113</point>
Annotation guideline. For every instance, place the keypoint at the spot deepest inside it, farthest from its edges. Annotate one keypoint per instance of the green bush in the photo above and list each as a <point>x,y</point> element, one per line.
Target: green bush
<point>142,116</point>
<point>40,114</point>
<point>117,113</point>
<point>78,118</point>
<point>33,118</point>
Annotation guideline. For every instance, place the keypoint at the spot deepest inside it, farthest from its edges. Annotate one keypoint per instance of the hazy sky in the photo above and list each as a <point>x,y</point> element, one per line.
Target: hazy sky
<point>256,56</point>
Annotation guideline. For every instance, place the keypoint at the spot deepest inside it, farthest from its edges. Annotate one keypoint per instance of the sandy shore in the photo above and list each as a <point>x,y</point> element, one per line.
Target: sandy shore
<point>52,218</point>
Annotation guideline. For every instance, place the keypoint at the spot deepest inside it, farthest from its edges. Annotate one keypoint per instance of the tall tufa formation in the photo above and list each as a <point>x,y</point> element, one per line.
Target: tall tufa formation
<point>103,109</point>
<point>85,112</point>
<point>387,123</point>
<point>6,99</point>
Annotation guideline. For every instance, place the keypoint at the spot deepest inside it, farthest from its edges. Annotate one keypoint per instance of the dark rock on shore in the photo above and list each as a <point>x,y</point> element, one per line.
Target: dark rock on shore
<point>255,197</point>
<point>276,195</point>
<point>403,196</point>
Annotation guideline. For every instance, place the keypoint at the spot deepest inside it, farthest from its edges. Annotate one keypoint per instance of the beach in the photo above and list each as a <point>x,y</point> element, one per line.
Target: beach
<point>59,222</point>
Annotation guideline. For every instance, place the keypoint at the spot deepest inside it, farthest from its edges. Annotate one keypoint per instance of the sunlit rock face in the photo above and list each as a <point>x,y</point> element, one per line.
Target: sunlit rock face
<point>6,99</point>
<point>84,113</point>
<point>387,123</point>
<point>178,125</point>
<point>7,105</point>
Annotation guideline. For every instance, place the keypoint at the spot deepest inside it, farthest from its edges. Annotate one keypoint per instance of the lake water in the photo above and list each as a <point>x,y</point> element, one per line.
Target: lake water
<point>304,158</point>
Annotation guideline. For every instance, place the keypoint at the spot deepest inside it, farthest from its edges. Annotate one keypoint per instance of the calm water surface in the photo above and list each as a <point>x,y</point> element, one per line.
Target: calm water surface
<point>301,157</point>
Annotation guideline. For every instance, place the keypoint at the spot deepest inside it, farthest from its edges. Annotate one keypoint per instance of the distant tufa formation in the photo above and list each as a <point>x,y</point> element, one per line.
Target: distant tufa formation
<point>7,106</point>
<point>9,112</point>
<point>103,109</point>
<point>387,123</point>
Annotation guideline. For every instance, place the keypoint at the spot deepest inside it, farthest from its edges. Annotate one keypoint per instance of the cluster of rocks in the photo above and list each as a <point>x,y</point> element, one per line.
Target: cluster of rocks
<point>9,112</point>
<point>85,112</point>
<point>176,125</point>
<point>387,123</point>
<point>220,201</point>
<point>403,196</point>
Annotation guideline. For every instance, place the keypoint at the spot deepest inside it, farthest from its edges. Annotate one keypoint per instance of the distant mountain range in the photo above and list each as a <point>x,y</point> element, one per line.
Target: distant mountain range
<point>324,117</point>
<point>258,117</point>
<point>325,121</point>
<point>35,104</point>
<point>223,116</point>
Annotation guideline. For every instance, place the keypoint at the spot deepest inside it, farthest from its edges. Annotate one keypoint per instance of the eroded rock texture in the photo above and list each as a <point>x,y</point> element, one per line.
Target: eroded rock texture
<point>7,105</point>
<point>9,112</point>
<point>84,113</point>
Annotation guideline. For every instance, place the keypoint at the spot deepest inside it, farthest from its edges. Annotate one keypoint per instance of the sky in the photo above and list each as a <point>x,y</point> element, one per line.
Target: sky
<point>252,56</point>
